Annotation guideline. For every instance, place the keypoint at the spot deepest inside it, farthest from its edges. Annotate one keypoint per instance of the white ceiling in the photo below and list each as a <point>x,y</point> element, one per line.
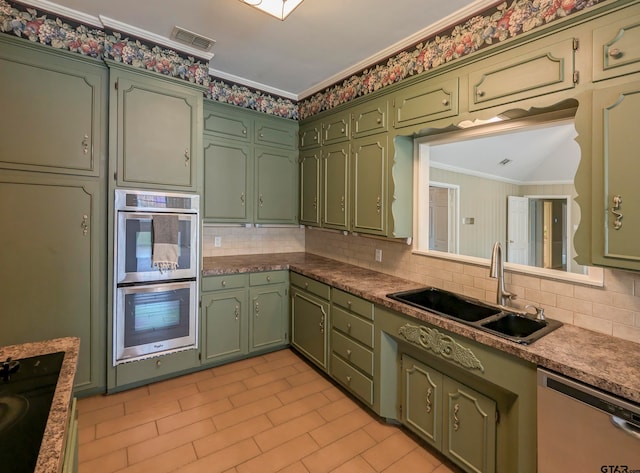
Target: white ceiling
<point>320,43</point>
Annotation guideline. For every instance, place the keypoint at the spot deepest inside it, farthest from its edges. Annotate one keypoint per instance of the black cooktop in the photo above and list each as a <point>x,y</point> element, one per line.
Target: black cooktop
<point>25,401</point>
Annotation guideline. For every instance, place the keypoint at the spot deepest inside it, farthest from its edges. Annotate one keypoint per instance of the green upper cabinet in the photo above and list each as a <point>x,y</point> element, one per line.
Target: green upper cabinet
<point>616,198</point>
<point>54,108</point>
<point>310,173</point>
<point>425,101</point>
<point>528,71</point>
<point>250,166</point>
<point>228,177</point>
<point>156,129</point>
<point>309,135</point>
<point>369,168</point>
<point>335,128</point>
<point>335,198</point>
<point>370,118</point>
<point>276,185</point>
<point>616,48</point>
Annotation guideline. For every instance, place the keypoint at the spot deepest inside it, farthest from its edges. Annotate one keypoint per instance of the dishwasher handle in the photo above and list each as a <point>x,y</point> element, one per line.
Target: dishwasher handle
<point>625,426</point>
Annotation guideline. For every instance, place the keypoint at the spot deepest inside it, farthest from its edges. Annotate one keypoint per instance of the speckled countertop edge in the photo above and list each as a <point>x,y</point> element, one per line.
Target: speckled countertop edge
<point>51,453</point>
<point>608,363</point>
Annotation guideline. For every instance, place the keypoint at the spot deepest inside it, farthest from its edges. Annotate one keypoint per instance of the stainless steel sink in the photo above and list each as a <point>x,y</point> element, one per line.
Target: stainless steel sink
<point>518,327</point>
<point>446,303</point>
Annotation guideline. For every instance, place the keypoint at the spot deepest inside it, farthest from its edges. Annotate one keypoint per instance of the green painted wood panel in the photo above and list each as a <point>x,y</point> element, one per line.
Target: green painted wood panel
<point>269,321</point>
<point>616,47</point>
<point>369,184</point>
<point>335,199</point>
<point>469,427</point>
<point>51,280</point>
<point>276,184</point>
<point>310,186</point>
<point>159,134</point>
<point>227,122</point>
<point>370,118</point>
<point>309,326</point>
<point>335,128</point>
<point>616,111</point>
<point>228,175</point>
<point>310,135</point>
<point>224,325</point>
<point>276,132</point>
<point>426,101</point>
<point>53,110</point>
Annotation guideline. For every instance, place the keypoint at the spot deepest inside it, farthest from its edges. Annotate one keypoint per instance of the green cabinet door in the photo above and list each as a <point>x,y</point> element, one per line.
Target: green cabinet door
<point>51,283</point>
<point>158,130</point>
<point>226,121</point>
<point>274,131</point>
<point>370,118</point>
<point>310,185</point>
<point>269,321</point>
<point>309,326</point>
<point>469,427</point>
<point>224,325</point>
<point>422,400</point>
<point>53,109</point>
<point>228,173</point>
<point>369,184</point>
<point>335,200</point>
<point>335,128</point>
<point>276,184</point>
<point>309,134</point>
<point>616,198</point>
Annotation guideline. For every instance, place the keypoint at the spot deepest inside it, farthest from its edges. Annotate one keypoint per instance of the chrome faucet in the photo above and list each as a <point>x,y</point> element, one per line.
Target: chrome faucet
<point>496,271</point>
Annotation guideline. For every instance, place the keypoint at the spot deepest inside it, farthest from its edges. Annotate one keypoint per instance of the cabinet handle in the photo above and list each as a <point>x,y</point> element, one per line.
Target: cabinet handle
<point>615,53</point>
<point>480,93</point>
<point>456,421</point>
<point>342,203</point>
<point>260,200</point>
<point>85,224</point>
<point>242,198</point>
<point>445,102</point>
<point>236,312</point>
<point>379,120</point>
<point>268,278</point>
<point>223,283</point>
<point>158,363</point>
<point>348,353</point>
<point>315,203</point>
<point>321,324</point>
<point>349,327</point>
<point>261,135</point>
<point>244,132</point>
<point>306,285</point>
<point>187,157</point>
<point>85,144</point>
<point>429,393</point>
<point>348,379</point>
<point>342,130</point>
<point>378,205</point>
<point>257,309</point>
<point>615,210</point>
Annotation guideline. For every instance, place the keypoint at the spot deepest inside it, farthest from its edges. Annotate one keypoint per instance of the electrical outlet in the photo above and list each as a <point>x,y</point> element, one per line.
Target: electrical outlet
<point>379,256</point>
<point>217,241</point>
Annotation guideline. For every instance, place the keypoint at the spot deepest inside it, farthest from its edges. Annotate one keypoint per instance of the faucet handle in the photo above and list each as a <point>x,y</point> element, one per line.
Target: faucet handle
<point>539,311</point>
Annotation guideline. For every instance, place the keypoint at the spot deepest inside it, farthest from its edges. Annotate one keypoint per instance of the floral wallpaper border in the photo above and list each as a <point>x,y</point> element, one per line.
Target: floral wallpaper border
<point>492,26</point>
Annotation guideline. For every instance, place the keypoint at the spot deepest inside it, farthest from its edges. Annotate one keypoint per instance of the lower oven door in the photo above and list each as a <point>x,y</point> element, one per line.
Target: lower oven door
<point>154,319</point>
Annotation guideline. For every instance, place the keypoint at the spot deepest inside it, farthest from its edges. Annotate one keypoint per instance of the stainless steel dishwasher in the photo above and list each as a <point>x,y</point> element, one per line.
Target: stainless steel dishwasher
<point>583,429</point>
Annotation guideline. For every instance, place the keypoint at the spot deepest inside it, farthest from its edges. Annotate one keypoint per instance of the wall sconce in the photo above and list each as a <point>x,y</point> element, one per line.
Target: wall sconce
<point>278,8</point>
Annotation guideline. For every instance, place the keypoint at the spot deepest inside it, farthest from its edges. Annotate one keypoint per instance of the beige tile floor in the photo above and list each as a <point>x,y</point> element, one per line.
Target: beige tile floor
<point>271,413</point>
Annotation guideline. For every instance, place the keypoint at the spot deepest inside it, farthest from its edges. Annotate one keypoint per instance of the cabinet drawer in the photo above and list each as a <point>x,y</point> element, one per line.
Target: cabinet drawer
<point>352,379</point>
<point>273,133</point>
<point>268,277</point>
<point>616,49</point>
<point>425,102</point>
<point>530,72</point>
<point>157,367</point>
<point>311,285</point>
<point>370,118</point>
<point>226,281</point>
<point>352,303</point>
<point>354,353</point>
<point>228,123</point>
<point>310,135</point>
<point>352,325</point>
<point>335,129</point>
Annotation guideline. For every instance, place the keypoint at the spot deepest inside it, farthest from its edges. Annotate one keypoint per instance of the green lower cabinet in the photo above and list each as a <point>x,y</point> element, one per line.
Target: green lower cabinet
<point>242,314</point>
<point>224,322</point>
<point>455,419</point>
<point>268,327</point>
<point>309,324</point>
<point>70,456</point>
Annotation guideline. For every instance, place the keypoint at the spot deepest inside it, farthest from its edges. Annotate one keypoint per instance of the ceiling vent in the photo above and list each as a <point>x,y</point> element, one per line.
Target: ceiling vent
<point>192,39</point>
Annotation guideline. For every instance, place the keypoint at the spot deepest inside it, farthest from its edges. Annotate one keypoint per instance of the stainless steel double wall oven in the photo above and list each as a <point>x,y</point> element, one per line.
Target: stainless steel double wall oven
<point>155,309</point>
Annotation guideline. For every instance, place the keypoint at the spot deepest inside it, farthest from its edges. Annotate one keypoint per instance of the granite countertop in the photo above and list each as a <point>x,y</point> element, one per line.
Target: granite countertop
<point>608,363</point>
<point>52,448</point>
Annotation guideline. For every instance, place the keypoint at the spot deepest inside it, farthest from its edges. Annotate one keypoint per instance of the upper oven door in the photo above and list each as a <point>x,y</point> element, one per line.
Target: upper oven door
<point>134,248</point>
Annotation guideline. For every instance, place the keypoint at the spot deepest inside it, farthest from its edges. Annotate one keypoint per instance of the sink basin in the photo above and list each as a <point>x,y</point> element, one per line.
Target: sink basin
<point>520,328</point>
<point>516,327</point>
<point>446,303</point>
